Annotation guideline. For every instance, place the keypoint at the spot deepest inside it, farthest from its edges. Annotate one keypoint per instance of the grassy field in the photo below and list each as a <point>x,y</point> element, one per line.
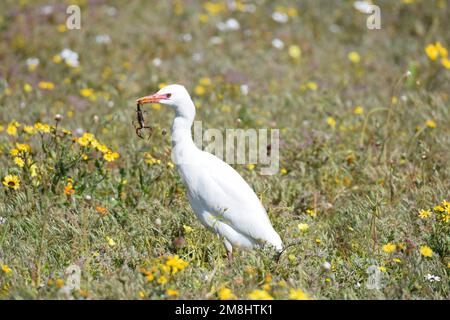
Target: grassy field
<point>364,148</point>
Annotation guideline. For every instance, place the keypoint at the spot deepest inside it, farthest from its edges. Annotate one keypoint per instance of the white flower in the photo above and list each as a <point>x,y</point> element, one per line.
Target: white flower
<point>432,278</point>
<point>70,58</point>
<point>32,62</point>
<point>197,57</point>
<point>280,17</point>
<point>78,132</point>
<point>277,43</point>
<point>229,25</point>
<point>157,62</point>
<point>326,266</point>
<point>186,37</point>
<point>47,9</point>
<point>111,11</point>
<point>215,40</point>
<point>2,220</point>
<point>244,89</point>
<point>103,38</point>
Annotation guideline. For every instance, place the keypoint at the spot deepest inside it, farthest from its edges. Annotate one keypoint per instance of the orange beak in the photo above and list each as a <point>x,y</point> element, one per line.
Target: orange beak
<point>154,98</point>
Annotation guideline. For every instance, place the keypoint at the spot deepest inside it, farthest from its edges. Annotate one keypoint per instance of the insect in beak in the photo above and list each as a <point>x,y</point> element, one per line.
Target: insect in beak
<point>140,121</point>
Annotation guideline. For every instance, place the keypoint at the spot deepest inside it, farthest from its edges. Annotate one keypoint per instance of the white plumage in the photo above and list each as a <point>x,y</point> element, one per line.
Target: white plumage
<point>221,199</point>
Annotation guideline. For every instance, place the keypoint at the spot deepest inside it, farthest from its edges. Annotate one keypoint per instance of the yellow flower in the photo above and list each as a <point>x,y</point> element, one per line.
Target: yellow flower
<point>205,81</point>
<point>295,52</point>
<point>61,28</point>
<point>141,294</point>
<point>56,59</point>
<point>172,293</point>
<point>438,208</point>
<point>397,260</point>
<point>441,49</point>
<point>203,18</point>
<point>29,130</point>
<point>102,148</point>
<point>110,241</point>
<point>430,124</point>
<point>156,106</point>
<point>260,295</point>
<point>446,63</point>
<point>23,147</point>
<point>11,129</point>
<point>162,280</point>
<point>176,263</point>
<point>389,247</point>
<point>331,122</point>
<point>426,251</point>
<point>150,277</point>
<point>27,87</point>
<point>187,229</point>
<point>297,294</point>
<point>250,166</point>
<point>89,136</point>
<point>318,241</point>
<point>282,283</point>
<point>225,108</point>
<point>111,156</point>
<point>68,189</point>
<point>226,294</point>
<point>6,269</point>
<point>423,214</point>
<point>33,170</point>
<point>303,227</point>
<point>42,127</point>
<point>86,92</point>
<point>46,85</point>
<point>82,141</point>
<point>358,110</point>
<point>382,269</point>
<point>11,182</point>
<point>292,12</point>
<point>59,283</point>
<point>432,52</point>
<point>101,210</point>
<point>394,100</point>
<point>354,57</point>
<point>311,212</point>
<point>311,86</point>
<point>19,162</point>
<point>283,171</point>
<point>214,8</point>
<point>199,90</point>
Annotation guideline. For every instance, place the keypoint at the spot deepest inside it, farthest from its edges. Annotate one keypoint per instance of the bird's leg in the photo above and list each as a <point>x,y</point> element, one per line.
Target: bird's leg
<point>229,249</point>
<point>230,256</point>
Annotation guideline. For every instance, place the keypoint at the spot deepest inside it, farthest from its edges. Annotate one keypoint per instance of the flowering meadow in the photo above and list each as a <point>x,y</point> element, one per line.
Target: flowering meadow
<point>361,199</point>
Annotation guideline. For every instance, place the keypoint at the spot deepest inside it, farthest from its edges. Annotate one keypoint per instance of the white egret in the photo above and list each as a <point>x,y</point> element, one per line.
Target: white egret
<point>221,199</point>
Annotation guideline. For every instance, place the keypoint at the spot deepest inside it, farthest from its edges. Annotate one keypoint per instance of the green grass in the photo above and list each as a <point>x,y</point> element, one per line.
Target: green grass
<point>367,175</point>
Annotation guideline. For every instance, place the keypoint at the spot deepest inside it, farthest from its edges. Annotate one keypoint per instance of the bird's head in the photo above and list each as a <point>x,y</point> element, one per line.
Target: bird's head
<point>174,95</point>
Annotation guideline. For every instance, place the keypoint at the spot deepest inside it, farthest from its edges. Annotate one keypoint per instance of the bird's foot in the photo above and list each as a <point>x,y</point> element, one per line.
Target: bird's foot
<point>230,256</point>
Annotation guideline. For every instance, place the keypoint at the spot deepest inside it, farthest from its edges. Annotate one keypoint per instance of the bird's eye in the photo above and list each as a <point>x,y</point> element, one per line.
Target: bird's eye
<point>168,95</point>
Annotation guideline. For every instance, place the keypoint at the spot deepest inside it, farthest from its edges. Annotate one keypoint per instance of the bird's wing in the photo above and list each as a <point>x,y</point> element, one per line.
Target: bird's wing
<point>226,195</point>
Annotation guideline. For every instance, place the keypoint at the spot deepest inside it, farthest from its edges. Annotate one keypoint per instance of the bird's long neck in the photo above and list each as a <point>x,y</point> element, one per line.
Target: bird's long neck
<point>181,129</point>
